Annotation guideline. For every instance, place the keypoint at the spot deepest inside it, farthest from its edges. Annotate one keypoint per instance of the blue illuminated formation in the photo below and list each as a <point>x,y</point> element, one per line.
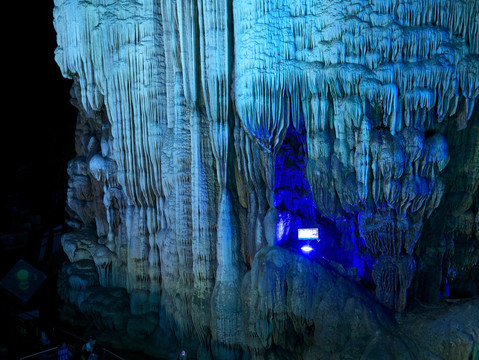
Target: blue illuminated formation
<point>339,239</point>
<point>292,194</point>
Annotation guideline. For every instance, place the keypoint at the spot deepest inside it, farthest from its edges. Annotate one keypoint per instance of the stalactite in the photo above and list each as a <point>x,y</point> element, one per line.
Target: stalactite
<point>184,106</point>
<point>253,192</point>
<point>402,71</point>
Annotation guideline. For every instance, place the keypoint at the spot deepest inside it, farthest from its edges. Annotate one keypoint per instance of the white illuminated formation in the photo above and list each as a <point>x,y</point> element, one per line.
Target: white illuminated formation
<point>183,108</point>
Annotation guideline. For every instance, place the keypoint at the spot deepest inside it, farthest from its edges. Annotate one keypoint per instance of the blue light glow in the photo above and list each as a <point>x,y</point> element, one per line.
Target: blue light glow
<point>282,228</point>
<point>294,202</point>
<point>306,248</point>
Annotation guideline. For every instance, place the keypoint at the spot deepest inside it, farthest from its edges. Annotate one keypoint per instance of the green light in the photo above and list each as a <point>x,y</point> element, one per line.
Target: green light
<point>22,276</point>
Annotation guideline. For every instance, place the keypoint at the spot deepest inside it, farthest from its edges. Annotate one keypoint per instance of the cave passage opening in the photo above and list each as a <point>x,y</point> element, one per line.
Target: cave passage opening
<point>293,198</point>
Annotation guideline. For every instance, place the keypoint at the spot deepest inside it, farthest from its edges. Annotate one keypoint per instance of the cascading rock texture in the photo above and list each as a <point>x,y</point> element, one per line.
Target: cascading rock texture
<point>183,108</point>
<point>370,80</point>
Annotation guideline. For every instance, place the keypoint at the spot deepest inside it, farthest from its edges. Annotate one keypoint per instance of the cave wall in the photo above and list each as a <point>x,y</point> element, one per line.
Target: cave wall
<point>208,132</point>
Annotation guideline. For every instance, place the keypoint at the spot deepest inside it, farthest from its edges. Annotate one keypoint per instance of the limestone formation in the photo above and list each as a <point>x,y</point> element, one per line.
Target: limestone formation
<point>210,131</point>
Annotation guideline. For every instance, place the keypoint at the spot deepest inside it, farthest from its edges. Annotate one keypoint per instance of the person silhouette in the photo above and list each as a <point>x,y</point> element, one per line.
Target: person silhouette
<point>64,352</point>
<point>182,355</point>
<point>87,349</point>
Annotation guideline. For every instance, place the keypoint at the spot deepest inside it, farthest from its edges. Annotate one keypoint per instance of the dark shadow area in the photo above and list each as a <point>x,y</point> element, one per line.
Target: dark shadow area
<point>37,140</point>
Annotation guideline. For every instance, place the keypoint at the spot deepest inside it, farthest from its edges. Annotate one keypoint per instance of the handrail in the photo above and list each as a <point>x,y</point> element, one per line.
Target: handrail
<point>71,334</point>
<point>84,340</point>
<point>115,355</point>
<point>38,353</point>
<point>75,336</point>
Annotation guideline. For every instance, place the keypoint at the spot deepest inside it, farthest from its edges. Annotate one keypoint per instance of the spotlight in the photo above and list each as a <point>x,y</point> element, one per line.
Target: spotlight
<point>308,235</point>
<point>306,248</point>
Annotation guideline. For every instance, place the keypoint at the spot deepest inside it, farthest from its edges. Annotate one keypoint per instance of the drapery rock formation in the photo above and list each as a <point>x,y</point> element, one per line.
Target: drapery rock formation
<point>209,131</point>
